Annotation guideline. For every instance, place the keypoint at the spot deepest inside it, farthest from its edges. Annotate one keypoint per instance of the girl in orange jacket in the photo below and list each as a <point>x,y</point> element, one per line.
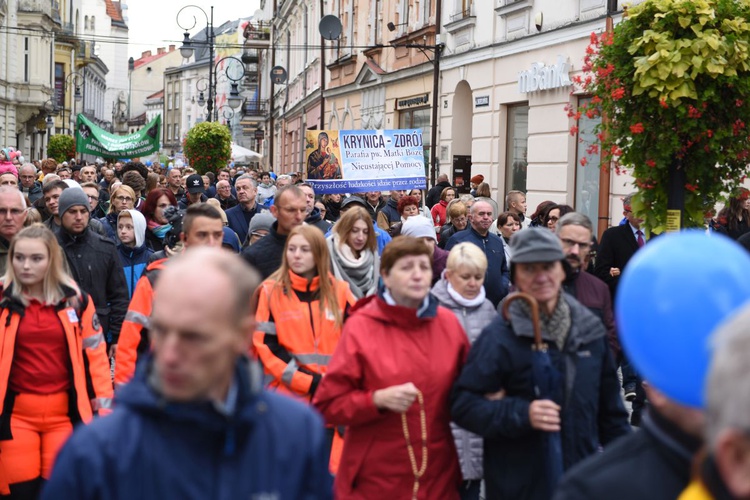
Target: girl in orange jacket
<point>54,370</point>
<point>301,310</point>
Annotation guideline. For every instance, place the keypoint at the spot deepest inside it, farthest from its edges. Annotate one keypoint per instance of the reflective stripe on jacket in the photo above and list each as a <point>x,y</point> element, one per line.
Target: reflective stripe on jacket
<point>91,380</point>
<point>292,340</point>
<point>134,333</point>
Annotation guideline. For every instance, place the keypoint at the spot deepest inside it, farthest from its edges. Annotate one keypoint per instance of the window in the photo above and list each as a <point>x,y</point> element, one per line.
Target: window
<point>59,85</point>
<point>517,147</point>
<point>419,118</point>
<point>169,133</point>
<point>26,59</point>
<point>176,132</point>
<point>588,161</point>
<point>176,100</point>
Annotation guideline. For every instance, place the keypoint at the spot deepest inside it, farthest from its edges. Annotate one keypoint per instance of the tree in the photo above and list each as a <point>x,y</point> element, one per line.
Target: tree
<point>208,146</point>
<point>672,82</point>
<point>61,147</point>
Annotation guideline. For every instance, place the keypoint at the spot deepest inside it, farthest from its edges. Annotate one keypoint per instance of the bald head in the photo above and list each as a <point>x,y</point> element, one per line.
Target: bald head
<point>201,324</point>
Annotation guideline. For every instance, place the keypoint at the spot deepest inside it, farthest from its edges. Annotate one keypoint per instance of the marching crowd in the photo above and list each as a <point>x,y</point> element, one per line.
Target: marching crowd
<point>237,335</point>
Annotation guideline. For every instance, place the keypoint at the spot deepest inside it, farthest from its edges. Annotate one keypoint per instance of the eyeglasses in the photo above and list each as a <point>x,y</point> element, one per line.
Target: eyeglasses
<point>553,219</point>
<point>571,243</point>
<point>12,212</point>
<point>92,198</point>
<point>124,199</point>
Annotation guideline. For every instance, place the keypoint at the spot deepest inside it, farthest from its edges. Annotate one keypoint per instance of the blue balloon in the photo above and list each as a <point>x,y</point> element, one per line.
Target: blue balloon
<point>672,295</point>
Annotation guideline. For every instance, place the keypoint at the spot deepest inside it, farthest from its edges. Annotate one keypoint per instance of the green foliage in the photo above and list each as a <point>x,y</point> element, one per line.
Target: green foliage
<point>208,146</point>
<point>673,81</point>
<point>61,147</point>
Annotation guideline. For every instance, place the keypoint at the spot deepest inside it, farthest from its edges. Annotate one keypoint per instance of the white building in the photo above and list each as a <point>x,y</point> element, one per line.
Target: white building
<point>505,81</point>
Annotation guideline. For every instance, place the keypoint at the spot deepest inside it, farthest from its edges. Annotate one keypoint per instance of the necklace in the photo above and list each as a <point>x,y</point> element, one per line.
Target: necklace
<point>417,471</point>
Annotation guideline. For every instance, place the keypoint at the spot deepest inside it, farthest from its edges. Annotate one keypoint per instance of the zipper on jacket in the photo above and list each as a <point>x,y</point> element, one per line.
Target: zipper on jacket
<point>312,321</point>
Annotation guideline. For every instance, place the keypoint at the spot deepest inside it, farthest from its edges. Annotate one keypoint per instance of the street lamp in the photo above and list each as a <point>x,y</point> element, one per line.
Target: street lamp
<point>186,50</point>
<point>77,81</point>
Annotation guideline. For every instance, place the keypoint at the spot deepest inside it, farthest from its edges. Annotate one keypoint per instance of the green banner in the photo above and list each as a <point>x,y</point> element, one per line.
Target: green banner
<point>96,141</point>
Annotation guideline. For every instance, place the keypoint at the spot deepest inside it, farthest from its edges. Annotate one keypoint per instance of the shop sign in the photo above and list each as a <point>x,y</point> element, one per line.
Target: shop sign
<point>413,101</point>
<point>543,77</point>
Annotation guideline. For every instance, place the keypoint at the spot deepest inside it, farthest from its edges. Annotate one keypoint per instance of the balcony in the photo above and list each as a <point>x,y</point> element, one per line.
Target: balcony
<point>255,109</point>
<point>250,55</point>
<point>257,34</point>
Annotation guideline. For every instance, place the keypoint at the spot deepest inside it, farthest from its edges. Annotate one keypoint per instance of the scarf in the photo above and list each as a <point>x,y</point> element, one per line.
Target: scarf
<point>159,231</point>
<point>556,326</point>
<point>361,273</point>
<point>464,302</point>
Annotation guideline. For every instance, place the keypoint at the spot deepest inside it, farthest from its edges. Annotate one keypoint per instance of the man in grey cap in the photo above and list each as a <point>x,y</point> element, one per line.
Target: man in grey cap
<point>94,263</point>
<point>495,396</point>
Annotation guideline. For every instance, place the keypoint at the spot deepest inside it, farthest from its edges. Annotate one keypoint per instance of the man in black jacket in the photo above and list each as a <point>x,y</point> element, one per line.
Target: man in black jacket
<point>433,195</point>
<point>290,210</point>
<point>653,463</point>
<point>94,263</point>
<point>617,246</point>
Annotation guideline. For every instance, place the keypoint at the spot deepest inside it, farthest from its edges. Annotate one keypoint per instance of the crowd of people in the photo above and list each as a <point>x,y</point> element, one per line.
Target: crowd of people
<point>238,335</point>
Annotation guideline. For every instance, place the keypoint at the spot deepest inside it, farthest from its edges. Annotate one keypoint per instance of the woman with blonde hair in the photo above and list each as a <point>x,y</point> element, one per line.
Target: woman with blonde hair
<point>354,252</point>
<point>54,370</point>
<point>461,289</point>
<point>301,311</point>
<point>123,198</point>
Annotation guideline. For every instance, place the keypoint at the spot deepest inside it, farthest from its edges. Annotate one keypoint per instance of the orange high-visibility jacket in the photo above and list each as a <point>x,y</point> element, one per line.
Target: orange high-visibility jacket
<point>292,340</point>
<point>92,383</point>
<point>134,332</point>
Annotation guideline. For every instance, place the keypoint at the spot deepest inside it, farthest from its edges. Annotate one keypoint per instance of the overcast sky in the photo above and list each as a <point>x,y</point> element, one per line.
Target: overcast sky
<point>153,23</point>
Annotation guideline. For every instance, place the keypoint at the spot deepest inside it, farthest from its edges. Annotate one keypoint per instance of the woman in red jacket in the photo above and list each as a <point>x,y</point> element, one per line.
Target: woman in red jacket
<point>389,382</point>
<point>54,370</point>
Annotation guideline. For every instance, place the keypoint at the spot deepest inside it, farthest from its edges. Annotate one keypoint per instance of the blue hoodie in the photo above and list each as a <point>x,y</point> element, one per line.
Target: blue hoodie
<point>135,259</point>
<point>268,446</point>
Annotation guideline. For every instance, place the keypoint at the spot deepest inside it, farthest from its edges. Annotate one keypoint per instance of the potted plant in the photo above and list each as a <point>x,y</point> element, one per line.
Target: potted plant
<point>61,147</point>
<point>672,83</point>
<point>208,146</point>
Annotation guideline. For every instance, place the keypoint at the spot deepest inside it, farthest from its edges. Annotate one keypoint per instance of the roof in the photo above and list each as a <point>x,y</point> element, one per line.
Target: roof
<point>114,11</point>
<point>142,61</point>
<point>156,95</point>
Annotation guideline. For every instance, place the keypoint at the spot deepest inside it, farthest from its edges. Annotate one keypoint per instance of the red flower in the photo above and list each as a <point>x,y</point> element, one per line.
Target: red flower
<point>739,102</point>
<point>593,38</point>
<point>691,187</point>
<point>693,112</point>
<point>710,133</point>
<point>637,128</point>
<point>573,130</point>
<point>618,94</point>
<point>651,163</point>
<point>663,104</point>
<point>584,161</point>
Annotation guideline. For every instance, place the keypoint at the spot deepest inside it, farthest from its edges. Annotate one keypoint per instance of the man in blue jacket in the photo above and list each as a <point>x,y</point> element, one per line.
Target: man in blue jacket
<point>194,423</point>
<point>497,277</point>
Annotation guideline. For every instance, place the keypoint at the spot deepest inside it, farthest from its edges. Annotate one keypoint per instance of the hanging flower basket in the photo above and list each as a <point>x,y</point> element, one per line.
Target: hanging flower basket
<point>672,82</point>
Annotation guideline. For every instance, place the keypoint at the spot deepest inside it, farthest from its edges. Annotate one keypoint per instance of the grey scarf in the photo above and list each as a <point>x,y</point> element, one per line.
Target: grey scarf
<point>362,274</point>
<point>555,326</point>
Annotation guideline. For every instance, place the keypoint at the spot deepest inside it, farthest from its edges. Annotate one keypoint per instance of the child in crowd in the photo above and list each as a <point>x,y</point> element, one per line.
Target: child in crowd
<point>134,253</point>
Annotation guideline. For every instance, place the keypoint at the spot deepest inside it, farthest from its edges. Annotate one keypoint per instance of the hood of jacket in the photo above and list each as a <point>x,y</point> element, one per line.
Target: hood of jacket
<point>139,225</point>
<point>141,396</point>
